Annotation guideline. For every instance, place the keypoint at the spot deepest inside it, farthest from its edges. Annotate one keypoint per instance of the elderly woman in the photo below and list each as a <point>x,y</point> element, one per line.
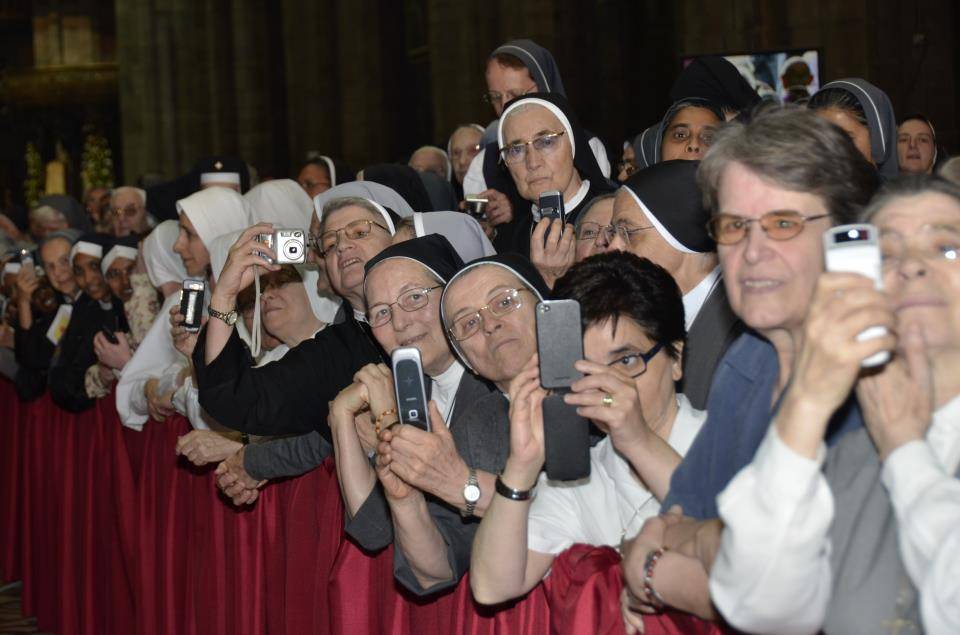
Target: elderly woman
<point>774,185</point>
<point>871,541</point>
<point>633,341</point>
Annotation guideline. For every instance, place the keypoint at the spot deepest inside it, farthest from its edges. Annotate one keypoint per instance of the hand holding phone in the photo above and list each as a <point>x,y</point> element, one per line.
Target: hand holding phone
<point>191,303</point>
<point>408,382</point>
<point>551,206</point>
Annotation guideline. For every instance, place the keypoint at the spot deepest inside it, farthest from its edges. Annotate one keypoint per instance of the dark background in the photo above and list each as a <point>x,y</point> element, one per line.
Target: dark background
<point>168,81</point>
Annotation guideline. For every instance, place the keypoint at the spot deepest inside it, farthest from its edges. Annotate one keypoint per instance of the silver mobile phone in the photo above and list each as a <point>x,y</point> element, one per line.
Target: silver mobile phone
<point>410,388</point>
<point>191,303</point>
<point>856,249</point>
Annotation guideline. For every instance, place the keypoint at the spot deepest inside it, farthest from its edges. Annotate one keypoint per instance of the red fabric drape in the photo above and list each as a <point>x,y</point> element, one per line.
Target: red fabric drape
<point>112,533</point>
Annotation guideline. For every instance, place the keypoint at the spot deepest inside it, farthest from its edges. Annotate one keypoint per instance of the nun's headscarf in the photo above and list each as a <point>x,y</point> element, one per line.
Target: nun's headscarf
<point>338,171</point>
<point>715,79</point>
<point>672,112</point>
<point>216,211</point>
<point>281,202</point>
<point>461,230</point>
<point>645,147</point>
<point>433,252</point>
<point>125,247</point>
<point>70,235</point>
<point>93,245</point>
<point>440,192</point>
<point>404,180</point>
<point>881,121</point>
<point>163,265</point>
<point>71,209</point>
<point>380,195</point>
<point>668,195</point>
<point>516,264</point>
<point>584,161</point>
<point>539,62</point>
<point>586,208</point>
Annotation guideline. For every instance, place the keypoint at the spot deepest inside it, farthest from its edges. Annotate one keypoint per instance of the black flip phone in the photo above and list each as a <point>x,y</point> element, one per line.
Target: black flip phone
<point>559,347</point>
<point>109,332</point>
<point>191,303</point>
<point>410,388</point>
<point>551,206</point>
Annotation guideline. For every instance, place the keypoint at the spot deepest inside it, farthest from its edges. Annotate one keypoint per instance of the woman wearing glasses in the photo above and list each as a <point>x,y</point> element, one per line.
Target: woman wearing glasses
<point>633,342</point>
<point>544,149</point>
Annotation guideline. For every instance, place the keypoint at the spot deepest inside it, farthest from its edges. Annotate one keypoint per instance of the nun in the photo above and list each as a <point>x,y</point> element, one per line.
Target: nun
<point>157,369</point>
<point>322,172</point>
<point>916,145</point>
<point>658,214</point>
<point>76,376</point>
<point>715,79</point>
<point>404,180</point>
<point>543,148</point>
<point>462,146</point>
<point>292,395</point>
<point>37,332</point>
<point>431,159</point>
<point>686,130</point>
<point>865,113</point>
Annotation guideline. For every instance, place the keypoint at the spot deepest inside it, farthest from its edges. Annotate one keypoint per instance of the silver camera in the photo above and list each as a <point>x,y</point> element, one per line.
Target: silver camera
<point>288,244</point>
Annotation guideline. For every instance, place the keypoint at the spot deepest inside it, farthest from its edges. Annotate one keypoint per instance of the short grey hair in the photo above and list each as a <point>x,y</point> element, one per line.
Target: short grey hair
<point>793,148</point>
<point>950,170</point>
<point>907,186</point>
<point>46,214</point>
<point>337,204</point>
<point>129,189</point>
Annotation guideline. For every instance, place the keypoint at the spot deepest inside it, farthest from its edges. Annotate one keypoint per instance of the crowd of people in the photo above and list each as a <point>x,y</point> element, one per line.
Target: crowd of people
<point>746,464</point>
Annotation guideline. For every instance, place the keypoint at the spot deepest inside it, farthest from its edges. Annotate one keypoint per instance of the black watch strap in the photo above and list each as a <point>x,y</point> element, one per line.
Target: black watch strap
<point>514,494</point>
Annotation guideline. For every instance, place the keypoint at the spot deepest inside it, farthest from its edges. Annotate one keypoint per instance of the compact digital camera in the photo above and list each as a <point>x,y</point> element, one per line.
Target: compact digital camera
<point>288,244</point>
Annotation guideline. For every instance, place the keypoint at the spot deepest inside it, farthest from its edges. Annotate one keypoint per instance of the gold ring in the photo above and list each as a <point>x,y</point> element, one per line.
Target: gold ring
<point>607,400</point>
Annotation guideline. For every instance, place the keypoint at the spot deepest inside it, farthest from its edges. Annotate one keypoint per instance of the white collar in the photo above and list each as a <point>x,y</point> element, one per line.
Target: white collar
<point>444,389</point>
<point>568,205</point>
<point>693,300</point>
<point>360,316</point>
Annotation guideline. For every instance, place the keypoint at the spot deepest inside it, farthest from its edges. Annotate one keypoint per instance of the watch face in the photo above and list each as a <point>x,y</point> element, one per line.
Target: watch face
<point>471,493</point>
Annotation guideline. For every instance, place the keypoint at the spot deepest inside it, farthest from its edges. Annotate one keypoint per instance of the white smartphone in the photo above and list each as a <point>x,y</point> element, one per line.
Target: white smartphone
<point>411,392</point>
<point>856,249</point>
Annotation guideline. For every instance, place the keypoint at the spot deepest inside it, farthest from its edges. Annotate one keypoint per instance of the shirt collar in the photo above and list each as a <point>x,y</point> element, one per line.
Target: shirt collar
<point>694,299</point>
<point>568,205</point>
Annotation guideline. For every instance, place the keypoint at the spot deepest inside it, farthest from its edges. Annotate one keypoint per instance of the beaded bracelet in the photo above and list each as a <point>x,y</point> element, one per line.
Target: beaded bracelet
<point>652,596</point>
<point>385,413</point>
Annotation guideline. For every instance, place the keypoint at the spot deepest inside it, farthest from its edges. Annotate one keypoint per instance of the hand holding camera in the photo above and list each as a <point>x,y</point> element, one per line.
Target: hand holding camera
<point>238,272</point>
<point>623,418</point>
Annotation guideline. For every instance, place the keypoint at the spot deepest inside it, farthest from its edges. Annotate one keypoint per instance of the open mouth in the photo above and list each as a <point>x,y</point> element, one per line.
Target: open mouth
<point>760,285</point>
<point>412,341</point>
<point>349,262</point>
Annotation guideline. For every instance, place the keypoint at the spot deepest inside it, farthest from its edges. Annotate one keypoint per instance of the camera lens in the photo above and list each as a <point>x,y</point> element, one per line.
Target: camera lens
<point>293,249</point>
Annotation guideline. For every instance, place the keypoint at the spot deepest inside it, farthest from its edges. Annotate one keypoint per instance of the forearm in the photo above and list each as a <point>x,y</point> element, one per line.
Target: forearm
<point>289,456</point>
<point>218,331</point>
<point>801,423</point>
<point>25,314</point>
<point>417,536</point>
<point>498,563</point>
<point>354,472</point>
<point>654,461</point>
<point>680,581</point>
<point>451,491</point>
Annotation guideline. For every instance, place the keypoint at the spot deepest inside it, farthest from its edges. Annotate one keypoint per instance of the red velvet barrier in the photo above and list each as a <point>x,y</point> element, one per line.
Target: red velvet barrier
<point>112,533</point>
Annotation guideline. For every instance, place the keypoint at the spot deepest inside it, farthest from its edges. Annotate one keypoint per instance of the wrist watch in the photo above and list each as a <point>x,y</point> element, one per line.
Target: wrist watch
<point>471,494</point>
<point>230,317</point>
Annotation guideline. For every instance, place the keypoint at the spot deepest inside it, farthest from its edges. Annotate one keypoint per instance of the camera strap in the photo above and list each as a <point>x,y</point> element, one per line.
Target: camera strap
<point>255,336</point>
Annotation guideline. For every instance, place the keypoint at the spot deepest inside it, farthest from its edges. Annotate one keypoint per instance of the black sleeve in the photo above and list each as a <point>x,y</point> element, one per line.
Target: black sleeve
<point>33,348</point>
<point>458,533</point>
<point>30,383</point>
<point>288,396</point>
<point>288,456</point>
<point>372,526</point>
<point>70,362</point>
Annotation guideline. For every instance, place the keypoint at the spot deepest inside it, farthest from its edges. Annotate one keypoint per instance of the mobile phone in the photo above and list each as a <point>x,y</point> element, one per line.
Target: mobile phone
<point>191,303</point>
<point>26,258</point>
<point>477,207</point>
<point>551,206</point>
<point>856,249</point>
<point>410,388</point>
<point>110,334</point>
<point>559,342</point>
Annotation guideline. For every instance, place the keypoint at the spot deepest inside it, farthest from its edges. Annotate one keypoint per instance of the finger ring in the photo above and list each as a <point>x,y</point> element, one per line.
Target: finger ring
<point>607,400</point>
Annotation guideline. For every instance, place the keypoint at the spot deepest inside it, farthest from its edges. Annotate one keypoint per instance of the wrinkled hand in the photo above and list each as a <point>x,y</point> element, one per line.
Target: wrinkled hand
<point>843,306</point>
<point>106,374</point>
<point>27,283</point>
<point>235,482</point>
<point>429,460</point>
<point>238,272</point>
<point>623,420</point>
<point>112,355</point>
<point>394,487</point>
<point>363,423</point>
<point>159,405</point>
<point>206,446</point>
<point>183,340</point>
<point>634,552</point>
<point>527,452</point>
<point>499,209</point>
<point>897,402</point>
<point>555,254</point>
<point>379,383</point>
<point>630,610</point>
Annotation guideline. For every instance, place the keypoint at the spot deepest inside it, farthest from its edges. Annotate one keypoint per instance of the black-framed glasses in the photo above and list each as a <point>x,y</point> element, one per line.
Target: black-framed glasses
<point>588,230</point>
<point>544,144</point>
<point>505,302</point>
<point>627,231</point>
<point>729,229</point>
<point>493,97</point>
<point>634,364</point>
<point>357,230</point>
<point>410,300</point>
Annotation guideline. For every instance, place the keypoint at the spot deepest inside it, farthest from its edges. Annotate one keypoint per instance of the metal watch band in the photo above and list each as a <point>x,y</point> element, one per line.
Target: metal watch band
<point>514,494</point>
<point>230,318</point>
<point>471,482</point>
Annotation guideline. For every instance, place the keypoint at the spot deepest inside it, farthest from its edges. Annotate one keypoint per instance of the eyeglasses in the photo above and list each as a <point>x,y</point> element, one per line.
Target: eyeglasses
<point>129,211</point>
<point>932,243</point>
<point>410,300</point>
<point>589,230</point>
<point>494,97</point>
<point>635,364</point>
<point>729,229</point>
<point>357,230</point>
<point>627,232</point>
<point>544,144</point>
<point>456,153</point>
<point>505,302</point>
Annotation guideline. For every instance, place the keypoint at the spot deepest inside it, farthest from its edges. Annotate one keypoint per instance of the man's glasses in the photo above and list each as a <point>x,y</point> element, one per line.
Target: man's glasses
<point>634,364</point>
<point>729,229</point>
<point>493,97</point>
<point>544,144</point>
<point>410,301</point>
<point>505,302</point>
<point>357,230</point>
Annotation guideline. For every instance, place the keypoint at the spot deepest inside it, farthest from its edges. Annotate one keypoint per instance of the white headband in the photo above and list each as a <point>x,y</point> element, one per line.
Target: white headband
<point>233,178</point>
<point>667,236</point>
<point>117,251</point>
<point>88,249</point>
<point>546,104</point>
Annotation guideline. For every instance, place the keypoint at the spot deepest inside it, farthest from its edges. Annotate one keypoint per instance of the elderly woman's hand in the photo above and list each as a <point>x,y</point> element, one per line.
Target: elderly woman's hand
<point>429,460</point>
<point>235,482</point>
<point>183,340</point>
<point>623,419</point>
<point>379,383</point>
<point>527,452</point>
<point>897,401</point>
<point>238,272</point>
<point>112,355</point>
<point>206,446</point>
<point>552,253</point>
<point>499,209</point>
<point>160,405</point>
<point>394,488</point>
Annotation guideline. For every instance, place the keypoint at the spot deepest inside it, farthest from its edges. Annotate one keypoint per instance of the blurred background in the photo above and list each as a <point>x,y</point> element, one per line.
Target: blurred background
<point>97,92</point>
